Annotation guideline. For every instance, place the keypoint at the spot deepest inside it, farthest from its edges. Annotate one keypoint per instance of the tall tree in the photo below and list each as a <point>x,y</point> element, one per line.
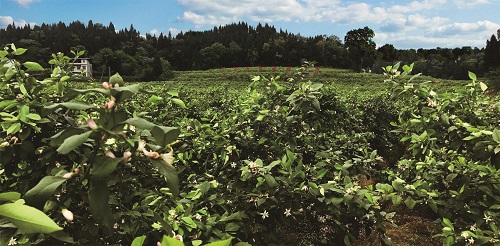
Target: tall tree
<point>360,47</point>
<point>492,52</point>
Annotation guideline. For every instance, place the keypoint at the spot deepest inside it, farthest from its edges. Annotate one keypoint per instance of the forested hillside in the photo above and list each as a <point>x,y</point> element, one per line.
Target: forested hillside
<point>147,57</point>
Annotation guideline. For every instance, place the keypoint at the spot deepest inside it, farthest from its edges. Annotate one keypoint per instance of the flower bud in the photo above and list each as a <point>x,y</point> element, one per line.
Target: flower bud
<point>117,85</point>
<point>67,214</point>
<point>76,170</point>
<point>110,105</point>
<point>127,155</point>
<point>67,175</point>
<point>91,123</point>
<point>105,85</point>
<point>108,153</point>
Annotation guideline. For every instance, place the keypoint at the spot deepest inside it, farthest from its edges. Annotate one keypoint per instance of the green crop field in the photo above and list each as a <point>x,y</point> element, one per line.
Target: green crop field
<point>225,157</point>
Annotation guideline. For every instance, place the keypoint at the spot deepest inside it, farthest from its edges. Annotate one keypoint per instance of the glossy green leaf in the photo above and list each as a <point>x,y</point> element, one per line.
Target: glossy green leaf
<point>70,105</point>
<point>124,93</point>
<point>155,99</point>
<point>189,222</point>
<point>179,102</point>
<point>138,241</point>
<point>225,242</point>
<point>484,87</point>
<point>104,166</point>
<point>33,67</point>
<point>99,202</point>
<point>170,241</point>
<point>448,223</point>
<point>9,196</point>
<point>73,142</point>
<point>28,219</point>
<point>169,172</point>
<point>165,135</point>
<point>410,203</point>
<point>38,195</point>
<point>19,51</point>
<point>270,180</point>
<point>14,128</point>
<point>140,123</point>
<point>472,76</point>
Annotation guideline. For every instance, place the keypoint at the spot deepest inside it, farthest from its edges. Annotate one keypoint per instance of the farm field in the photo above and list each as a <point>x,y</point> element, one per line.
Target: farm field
<point>214,157</point>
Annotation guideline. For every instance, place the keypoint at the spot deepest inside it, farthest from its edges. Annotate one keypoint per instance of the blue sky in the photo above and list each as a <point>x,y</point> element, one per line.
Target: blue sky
<point>405,24</point>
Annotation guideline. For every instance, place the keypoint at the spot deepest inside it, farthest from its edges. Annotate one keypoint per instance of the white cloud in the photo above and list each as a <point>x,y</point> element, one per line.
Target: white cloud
<point>155,32</point>
<point>460,29</point>
<point>26,3</point>
<point>7,20</point>
<point>403,41</point>
<point>468,3</point>
<point>416,6</point>
<point>174,31</point>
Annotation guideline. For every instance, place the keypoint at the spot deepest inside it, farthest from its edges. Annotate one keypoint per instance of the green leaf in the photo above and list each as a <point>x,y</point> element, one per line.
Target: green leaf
<point>496,135</point>
<point>140,123</point>
<point>484,87</point>
<point>226,242</point>
<point>99,202</point>
<point>33,116</point>
<point>242,244</point>
<point>155,99</point>
<point>170,241</point>
<point>179,102</point>
<point>410,203</point>
<point>28,219</point>
<point>14,128</point>
<point>23,90</point>
<point>448,223</point>
<point>138,241</point>
<point>173,93</point>
<point>70,105</point>
<point>123,93</point>
<point>38,195</point>
<point>9,196</point>
<point>169,172</point>
<point>3,53</point>
<point>472,76</point>
<point>73,142</point>
<point>398,184</point>
<point>19,51</point>
<point>189,222</point>
<point>33,67</point>
<point>231,227</point>
<point>104,166</point>
<point>164,135</point>
<point>65,78</point>
<point>270,180</point>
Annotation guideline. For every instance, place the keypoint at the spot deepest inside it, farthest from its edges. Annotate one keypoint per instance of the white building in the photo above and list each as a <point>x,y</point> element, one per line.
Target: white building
<point>82,65</point>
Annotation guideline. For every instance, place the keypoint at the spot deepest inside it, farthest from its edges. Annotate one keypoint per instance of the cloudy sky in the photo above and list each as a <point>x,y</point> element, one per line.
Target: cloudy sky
<point>405,24</point>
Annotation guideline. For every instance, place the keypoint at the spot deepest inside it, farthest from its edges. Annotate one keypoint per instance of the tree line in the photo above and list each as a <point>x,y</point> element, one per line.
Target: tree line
<point>147,57</point>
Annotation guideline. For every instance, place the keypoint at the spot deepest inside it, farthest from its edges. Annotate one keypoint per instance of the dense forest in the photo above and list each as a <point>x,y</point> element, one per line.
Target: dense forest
<point>147,57</point>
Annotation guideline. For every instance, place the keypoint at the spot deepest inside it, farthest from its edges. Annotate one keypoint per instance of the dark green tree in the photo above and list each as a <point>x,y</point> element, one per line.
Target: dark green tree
<point>492,53</point>
<point>360,47</point>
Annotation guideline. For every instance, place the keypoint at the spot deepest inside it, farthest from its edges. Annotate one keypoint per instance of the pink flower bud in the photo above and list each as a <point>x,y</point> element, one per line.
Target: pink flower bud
<point>91,123</point>
<point>77,170</point>
<point>117,85</point>
<point>108,153</point>
<point>158,244</point>
<point>105,85</point>
<point>127,155</point>
<point>67,214</point>
<point>67,175</point>
<point>110,104</point>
